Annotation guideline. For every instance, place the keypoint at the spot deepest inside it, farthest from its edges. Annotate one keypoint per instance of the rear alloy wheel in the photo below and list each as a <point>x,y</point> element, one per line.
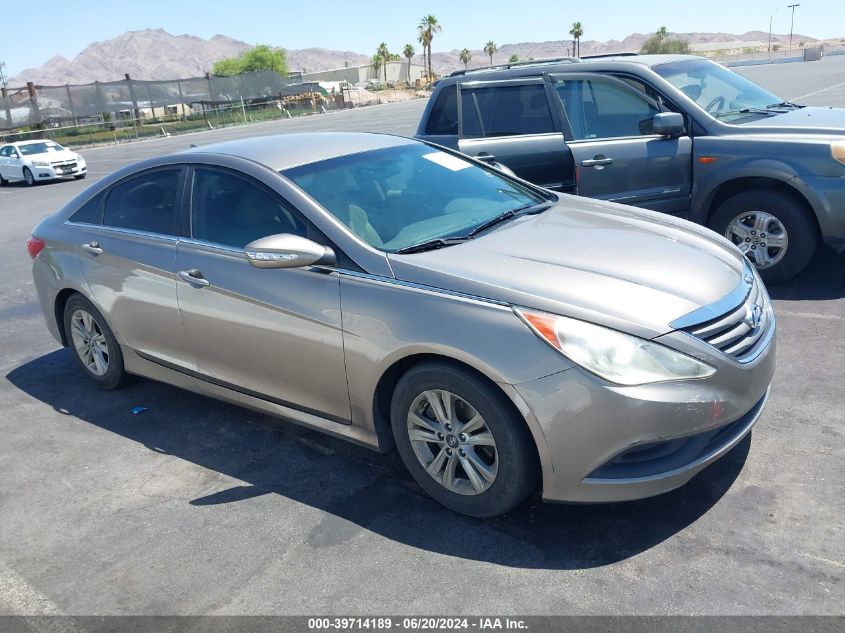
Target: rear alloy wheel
<point>462,440</point>
<point>3,181</point>
<point>28,177</point>
<point>93,343</point>
<point>774,230</point>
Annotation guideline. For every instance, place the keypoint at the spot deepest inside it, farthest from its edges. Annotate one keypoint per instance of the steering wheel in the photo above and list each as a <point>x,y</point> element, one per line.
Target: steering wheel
<point>717,104</point>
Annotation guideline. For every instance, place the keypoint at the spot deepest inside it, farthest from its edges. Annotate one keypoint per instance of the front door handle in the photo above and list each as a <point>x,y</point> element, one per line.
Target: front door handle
<point>193,277</point>
<point>597,161</point>
<point>93,248</point>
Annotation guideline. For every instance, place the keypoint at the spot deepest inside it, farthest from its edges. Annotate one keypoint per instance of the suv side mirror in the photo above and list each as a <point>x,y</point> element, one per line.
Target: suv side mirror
<point>668,124</point>
<point>288,251</point>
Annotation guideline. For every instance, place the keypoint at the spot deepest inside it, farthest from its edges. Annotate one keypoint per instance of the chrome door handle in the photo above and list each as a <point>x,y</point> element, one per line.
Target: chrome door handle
<point>93,248</point>
<point>193,277</point>
<point>596,162</point>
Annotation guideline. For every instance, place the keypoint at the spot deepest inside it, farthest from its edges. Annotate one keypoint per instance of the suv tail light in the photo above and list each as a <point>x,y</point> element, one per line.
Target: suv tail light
<point>34,245</point>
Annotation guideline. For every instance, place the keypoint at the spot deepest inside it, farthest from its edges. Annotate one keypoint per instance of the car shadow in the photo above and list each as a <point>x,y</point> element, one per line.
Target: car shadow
<point>359,489</point>
<point>824,278</point>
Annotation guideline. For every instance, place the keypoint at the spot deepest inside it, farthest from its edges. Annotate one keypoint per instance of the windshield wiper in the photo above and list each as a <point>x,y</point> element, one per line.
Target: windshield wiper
<point>719,115</point>
<point>784,104</point>
<point>431,245</point>
<point>535,207</point>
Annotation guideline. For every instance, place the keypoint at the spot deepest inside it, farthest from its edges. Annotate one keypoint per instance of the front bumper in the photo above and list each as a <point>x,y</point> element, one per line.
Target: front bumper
<point>600,442</point>
<point>53,172</point>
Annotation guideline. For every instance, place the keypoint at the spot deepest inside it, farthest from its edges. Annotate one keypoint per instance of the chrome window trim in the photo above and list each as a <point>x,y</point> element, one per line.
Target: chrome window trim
<point>132,232</point>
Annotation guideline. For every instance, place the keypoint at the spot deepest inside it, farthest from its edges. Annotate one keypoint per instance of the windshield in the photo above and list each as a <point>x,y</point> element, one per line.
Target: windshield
<point>719,91</point>
<point>397,197</point>
<point>39,148</point>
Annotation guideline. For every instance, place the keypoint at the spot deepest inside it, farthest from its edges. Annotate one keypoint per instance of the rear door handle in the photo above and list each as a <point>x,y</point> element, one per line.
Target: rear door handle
<point>598,161</point>
<point>93,248</point>
<point>193,277</point>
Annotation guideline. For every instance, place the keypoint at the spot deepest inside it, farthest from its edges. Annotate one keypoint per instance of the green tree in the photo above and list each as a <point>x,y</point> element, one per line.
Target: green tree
<point>376,62</point>
<point>384,54</point>
<point>261,57</point>
<point>490,49</point>
<point>427,27</point>
<point>660,44</point>
<point>408,52</point>
<point>465,55</point>
<point>576,32</point>
<point>513,59</point>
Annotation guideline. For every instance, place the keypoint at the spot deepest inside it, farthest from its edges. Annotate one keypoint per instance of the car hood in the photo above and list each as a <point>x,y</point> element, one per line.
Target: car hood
<point>807,120</point>
<point>52,157</point>
<point>626,268</point>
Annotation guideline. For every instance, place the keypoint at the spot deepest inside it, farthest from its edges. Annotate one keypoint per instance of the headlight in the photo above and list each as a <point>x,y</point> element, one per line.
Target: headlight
<point>837,150</point>
<point>40,163</point>
<point>619,358</point>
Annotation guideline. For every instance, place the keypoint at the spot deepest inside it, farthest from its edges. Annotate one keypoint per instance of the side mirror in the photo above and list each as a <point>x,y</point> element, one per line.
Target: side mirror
<point>668,124</point>
<point>288,251</point>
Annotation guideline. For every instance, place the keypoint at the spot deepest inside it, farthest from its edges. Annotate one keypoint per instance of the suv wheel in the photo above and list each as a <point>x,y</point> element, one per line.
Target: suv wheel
<point>773,230</point>
<point>93,343</point>
<point>462,440</point>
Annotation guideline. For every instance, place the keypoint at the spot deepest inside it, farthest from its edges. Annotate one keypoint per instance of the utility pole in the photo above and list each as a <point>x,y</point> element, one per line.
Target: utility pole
<point>3,74</point>
<point>770,39</point>
<point>791,22</point>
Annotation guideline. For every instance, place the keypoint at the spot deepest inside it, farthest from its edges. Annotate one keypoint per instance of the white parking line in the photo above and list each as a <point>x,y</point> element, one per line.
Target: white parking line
<point>810,315</point>
<point>810,94</point>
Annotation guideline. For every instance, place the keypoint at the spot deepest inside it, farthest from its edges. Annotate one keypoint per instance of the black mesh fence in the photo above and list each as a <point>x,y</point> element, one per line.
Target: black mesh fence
<point>34,106</point>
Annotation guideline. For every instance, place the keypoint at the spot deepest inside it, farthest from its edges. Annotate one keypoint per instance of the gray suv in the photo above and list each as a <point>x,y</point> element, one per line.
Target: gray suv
<point>671,133</point>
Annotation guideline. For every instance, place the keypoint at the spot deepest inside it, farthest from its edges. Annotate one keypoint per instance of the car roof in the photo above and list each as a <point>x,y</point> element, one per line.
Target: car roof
<point>32,142</point>
<point>283,151</point>
<point>563,65</point>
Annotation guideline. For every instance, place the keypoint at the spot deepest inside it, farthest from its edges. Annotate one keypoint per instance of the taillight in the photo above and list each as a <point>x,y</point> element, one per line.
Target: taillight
<point>34,245</point>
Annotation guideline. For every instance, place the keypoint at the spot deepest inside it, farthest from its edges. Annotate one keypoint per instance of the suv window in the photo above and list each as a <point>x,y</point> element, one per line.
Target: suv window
<point>505,110</point>
<point>234,211</point>
<point>444,113</point>
<point>145,203</point>
<point>604,108</point>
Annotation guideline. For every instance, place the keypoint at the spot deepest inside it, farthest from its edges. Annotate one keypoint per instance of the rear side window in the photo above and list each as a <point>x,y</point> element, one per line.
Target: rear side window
<point>90,212</point>
<point>145,203</point>
<point>506,110</point>
<point>443,118</point>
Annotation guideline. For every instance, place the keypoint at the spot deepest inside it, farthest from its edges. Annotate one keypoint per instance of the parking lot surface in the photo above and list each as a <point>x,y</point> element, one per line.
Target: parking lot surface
<point>198,507</point>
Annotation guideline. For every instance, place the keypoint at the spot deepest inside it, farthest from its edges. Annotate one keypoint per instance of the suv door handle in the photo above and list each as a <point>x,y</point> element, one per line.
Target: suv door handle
<point>598,161</point>
<point>193,277</point>
<point>92,247</point>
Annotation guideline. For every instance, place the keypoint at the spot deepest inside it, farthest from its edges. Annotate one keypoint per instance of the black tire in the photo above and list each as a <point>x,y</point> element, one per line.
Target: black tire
<point>28,178</point>
<point>3,182</point>
<point>115,375</point>
<point>518,469</point>
<point>801,229</point>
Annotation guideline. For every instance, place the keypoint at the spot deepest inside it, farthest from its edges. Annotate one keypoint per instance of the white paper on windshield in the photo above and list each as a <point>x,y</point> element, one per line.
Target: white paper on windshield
<point>447,160</point>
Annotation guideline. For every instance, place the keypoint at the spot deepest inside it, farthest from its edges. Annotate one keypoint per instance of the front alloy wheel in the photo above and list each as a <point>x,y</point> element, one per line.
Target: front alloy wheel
<point>760,236</point>
<point>452,442</point>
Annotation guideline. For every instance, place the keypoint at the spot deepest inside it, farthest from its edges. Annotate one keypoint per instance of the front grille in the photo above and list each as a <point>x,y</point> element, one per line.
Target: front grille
<point>738,332</point>
<point>65,165</point>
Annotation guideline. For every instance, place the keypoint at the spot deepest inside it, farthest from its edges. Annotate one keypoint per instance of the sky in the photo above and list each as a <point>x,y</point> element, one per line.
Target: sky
<point>67,28</point>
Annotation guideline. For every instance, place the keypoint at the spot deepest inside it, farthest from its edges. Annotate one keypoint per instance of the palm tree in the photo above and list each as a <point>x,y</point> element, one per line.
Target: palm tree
<point>382,52</point>
<point>408,52</point>
<point>465,55</point>
<point>662,33</point>
<point>428,26</point>
<point>490,49</point>
<point>576,32</point>
<point>376,63</point>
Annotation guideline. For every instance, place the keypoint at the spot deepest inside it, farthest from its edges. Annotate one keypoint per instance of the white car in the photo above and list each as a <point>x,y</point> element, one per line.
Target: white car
<point>40,160</point>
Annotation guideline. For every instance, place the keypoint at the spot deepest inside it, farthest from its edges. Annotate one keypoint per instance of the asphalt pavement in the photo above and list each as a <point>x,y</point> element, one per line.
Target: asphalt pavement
<point>198,507</point>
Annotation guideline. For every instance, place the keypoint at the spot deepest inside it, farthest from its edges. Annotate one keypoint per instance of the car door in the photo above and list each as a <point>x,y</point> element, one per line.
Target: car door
<point>127,246</point>
<point>513,122</point>
<point>13,168</point>
<point>274,334</point>
<point>617,157</point>
<point>4,159</point>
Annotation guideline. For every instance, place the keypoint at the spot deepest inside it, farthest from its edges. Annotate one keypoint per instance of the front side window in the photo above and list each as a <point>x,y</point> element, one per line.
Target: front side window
<point>505,110</point>
<point>145,203</point>
<point>396,197</point>
<point>599,108</point>
<point>233,211</point>
<point>4,152</point>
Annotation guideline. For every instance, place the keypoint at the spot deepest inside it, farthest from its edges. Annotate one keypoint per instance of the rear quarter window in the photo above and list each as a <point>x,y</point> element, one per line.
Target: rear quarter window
<point>443,118</point>
<point>91,212</point>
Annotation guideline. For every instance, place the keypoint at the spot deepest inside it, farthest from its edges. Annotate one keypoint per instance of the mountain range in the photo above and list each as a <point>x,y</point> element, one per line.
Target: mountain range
<point>157,54</point>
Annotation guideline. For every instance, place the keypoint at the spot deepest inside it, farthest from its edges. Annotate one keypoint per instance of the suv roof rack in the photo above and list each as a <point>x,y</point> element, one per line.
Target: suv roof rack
<point>600,55</point>
<point>529,62</point>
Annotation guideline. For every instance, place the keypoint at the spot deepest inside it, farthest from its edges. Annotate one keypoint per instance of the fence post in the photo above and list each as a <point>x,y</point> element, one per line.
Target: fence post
<point>135,111</point>
<point>5,94</point>
<point>33,100</point>
<point>181,100</point>
<point>70,103</point>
